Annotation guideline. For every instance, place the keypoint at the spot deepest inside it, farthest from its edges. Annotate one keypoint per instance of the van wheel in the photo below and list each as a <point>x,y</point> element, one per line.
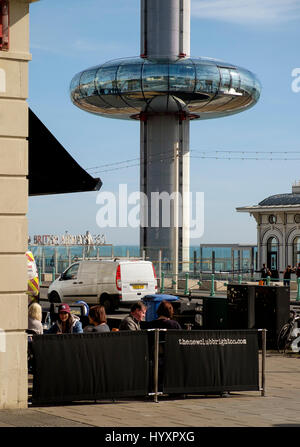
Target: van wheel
<point>54,297</point>
<point>107,303</point>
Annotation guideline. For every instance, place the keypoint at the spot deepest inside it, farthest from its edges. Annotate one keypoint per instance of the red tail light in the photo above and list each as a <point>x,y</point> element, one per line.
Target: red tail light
<point>154,271</point>
<point>155,276</point>
<point>118,278</point>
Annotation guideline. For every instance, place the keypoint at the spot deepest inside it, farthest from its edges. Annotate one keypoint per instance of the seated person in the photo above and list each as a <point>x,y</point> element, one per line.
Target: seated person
<point>165,314</point>
<point>35,318</point>
<point>97,320</point>
<point>133,320</point>
<point>66,323</point>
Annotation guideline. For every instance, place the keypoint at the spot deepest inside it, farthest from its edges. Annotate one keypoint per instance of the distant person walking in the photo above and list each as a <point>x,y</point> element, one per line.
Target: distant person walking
<point>265,272</point>
<point>133,320</point>
<point>287,276</point>
<point>297,270</point>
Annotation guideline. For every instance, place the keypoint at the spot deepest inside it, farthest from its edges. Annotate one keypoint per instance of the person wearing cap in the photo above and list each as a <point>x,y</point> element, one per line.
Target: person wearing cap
<point>66,323</point>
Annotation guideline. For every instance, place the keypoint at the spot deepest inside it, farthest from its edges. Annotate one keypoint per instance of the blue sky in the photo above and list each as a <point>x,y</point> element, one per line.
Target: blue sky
<point>261,35</point>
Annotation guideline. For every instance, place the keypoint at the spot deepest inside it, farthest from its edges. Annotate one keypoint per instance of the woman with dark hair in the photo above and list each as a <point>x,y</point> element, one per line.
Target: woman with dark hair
<point>66,323</point>
<point>165,320</point>
<point>97,319</point>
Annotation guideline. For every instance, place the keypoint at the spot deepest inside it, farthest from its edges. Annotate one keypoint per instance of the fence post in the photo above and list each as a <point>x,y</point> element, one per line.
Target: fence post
<point>53,273</point>
<point>200,281</point>
<point>43,263</point>
<point>55,261</point>
<point>268,280</point>
<point>298,290</point>
<point>263,361</point>
<point>186,290</point>
<point>156,353</point>
<point>174,283</point>
<point>162,285</point>
<point>159,264</point>
<point>212,290</point>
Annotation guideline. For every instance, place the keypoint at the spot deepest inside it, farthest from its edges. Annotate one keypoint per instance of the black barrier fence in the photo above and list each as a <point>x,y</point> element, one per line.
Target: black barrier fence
<point>211,361</point>
<point>72,367</point>
<point>75,367</point>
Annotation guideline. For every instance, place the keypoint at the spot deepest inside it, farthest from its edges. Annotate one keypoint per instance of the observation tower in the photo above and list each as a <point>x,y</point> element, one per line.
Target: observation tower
<point>164,89</point>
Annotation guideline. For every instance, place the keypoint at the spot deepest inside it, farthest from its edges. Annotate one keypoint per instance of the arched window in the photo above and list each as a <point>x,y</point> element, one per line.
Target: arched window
<point>296,250</point>
<point>272,248</point>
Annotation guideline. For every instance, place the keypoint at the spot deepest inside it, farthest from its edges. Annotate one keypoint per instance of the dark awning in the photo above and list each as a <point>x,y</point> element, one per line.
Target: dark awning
<point>51,169</point>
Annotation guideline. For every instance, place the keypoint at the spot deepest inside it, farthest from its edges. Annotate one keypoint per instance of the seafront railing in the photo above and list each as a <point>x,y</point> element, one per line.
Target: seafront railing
<point>187,282</point>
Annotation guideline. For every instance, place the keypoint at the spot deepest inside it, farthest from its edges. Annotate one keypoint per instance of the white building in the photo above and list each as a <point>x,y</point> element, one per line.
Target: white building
<point>278,229</point>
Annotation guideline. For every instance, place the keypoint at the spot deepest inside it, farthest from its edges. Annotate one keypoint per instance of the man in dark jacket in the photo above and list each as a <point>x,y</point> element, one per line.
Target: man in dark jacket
<point>287,276</point>
<point>133,320</point>
<point>265,272</point>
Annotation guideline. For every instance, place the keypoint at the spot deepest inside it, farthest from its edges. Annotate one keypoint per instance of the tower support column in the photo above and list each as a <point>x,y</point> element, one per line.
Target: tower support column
<point>165,29</point>
<point>164,174</point>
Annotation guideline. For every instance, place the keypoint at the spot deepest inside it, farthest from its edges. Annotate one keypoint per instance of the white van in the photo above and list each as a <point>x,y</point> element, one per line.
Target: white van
<point>109,282</point>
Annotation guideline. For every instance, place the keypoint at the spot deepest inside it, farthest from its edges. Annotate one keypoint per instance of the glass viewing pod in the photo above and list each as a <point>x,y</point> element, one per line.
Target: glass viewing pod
<point>203,87</point>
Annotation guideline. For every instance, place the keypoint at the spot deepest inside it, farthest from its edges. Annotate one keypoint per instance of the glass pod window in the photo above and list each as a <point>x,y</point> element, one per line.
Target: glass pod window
<point>182,76</point>
<point>87,83</point>
<point>207,78</point>
<point>106,80</point>
<point>155,77</point>
<point>129,78</point>
<point>225,80</point>
<point>247,81</point>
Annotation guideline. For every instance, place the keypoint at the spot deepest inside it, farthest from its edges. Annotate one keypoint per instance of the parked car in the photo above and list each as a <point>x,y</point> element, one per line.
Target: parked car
<point>107,282</point>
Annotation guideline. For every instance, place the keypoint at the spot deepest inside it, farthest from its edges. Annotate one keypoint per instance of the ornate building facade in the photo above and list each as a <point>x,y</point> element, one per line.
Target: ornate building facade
<point>278,229</point>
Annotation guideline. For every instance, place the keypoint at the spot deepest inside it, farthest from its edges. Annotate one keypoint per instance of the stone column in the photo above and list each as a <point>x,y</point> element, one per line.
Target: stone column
<point>13,208</point>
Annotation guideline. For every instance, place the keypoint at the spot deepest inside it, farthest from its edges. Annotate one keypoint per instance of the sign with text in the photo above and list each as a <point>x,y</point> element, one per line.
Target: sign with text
<point>211,361</point>
<point>67,239</point>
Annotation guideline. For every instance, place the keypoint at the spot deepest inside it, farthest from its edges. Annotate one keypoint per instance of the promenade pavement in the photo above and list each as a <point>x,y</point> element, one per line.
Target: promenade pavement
<point>280,407</point>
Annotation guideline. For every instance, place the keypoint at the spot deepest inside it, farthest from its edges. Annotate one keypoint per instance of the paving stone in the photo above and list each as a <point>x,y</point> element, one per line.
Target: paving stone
<point>279,408</point>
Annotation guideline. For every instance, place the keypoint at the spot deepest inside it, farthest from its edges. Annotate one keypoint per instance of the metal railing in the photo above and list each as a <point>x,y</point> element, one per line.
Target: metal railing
<point>187,280</point>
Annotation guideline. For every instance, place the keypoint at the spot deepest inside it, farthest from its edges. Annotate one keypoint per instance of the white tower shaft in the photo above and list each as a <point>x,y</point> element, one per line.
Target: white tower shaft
<point>165,35</point>
<point>165,29</point>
